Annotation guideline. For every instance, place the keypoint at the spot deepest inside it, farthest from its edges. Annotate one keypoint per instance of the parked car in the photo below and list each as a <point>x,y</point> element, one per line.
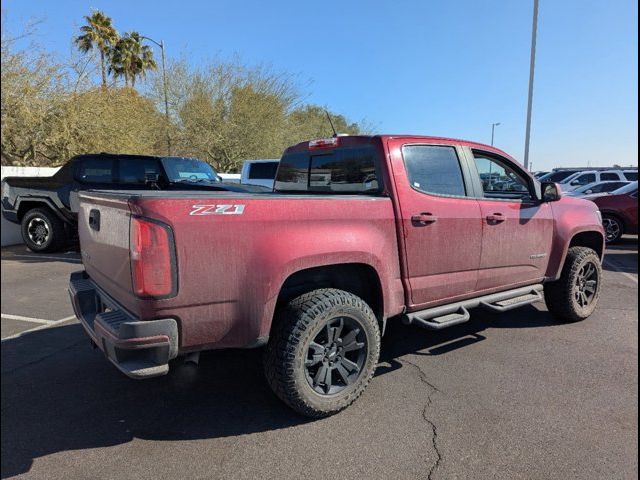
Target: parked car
<point>597,188</point>
<point>540,174</point>
<point>580,179</point>
<point>259,172</point>
<point>398,227</point>
<point>46,207</point>
<point>558,175</point>
<point>619,212</point>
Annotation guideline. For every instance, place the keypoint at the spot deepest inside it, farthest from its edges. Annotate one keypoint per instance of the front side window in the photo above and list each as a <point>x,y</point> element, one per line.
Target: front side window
<point>135,170</point>
<point>499,179</point>
<point>434,169</point>
<point>95,170</point>
<point>631,176</point>
<point>609,176</point>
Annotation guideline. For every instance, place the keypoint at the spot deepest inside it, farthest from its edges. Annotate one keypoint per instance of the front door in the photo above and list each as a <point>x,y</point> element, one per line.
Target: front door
<point>441,224</point>
<point>517,228</point>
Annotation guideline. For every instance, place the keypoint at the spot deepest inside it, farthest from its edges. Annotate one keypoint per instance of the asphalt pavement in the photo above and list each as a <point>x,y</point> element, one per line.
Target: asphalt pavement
<point>509,396</point>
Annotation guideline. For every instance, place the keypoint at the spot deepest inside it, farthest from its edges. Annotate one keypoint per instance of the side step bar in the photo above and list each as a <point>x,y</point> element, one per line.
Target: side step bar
<point>444,316</point>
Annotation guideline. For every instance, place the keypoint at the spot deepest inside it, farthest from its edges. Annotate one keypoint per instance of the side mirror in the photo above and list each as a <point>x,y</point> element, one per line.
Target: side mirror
<point>589,191</point>
<point>551,192</point>
<point>575,182</point>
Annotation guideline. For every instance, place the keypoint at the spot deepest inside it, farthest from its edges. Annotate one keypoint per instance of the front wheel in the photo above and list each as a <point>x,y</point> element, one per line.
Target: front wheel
<point>322,352</point>
<point>574,296</point>
<point>613,228</point>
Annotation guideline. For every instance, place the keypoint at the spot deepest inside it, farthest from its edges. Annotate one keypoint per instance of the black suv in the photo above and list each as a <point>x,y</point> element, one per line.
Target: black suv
<point>47,207</point>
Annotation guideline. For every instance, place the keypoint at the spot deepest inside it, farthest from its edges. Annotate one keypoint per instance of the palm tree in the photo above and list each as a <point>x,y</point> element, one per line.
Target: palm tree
<point>99,34</point>
<point>131,59</point>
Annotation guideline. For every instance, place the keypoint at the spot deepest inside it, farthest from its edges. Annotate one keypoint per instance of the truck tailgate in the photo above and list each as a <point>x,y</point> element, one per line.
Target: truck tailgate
<point>103,228</point>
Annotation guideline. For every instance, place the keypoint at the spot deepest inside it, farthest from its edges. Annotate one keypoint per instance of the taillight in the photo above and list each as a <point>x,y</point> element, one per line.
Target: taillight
<point>323,143</point>
<point>152,259</point>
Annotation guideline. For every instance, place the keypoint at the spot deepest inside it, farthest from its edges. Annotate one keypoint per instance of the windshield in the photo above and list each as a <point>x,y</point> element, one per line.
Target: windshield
<point>180,169</point>
<point>632,187</point>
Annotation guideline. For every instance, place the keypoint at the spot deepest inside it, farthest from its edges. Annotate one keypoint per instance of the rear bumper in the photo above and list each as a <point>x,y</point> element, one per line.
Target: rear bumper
<point>139,349</point>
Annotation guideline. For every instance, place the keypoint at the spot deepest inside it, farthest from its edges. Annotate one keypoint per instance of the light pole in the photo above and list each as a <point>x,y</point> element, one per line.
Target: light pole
<point>166,94</point>
<point>493,129</point>
<point>532,65</point>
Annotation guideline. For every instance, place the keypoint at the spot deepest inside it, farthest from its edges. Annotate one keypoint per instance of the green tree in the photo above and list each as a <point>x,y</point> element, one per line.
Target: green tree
<point>98,34</point>
<point>131,59</point>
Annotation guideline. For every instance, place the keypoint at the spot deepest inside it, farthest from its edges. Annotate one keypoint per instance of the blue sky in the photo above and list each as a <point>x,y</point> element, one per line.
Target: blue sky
<point>441,68</point>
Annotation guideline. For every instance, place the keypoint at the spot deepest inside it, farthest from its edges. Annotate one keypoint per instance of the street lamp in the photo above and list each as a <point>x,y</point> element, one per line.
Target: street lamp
<point>532,64</point>
<point>493,129</point>
<point>164,85</point>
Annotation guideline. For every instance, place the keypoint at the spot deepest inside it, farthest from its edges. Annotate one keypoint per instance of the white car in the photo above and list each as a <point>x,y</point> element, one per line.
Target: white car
<point>580,179</point>
<point>597,188</point>
<point>259,172</point>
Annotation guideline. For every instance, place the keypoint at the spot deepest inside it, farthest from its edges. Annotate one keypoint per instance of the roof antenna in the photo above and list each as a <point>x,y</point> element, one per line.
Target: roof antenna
<point>335,134</point>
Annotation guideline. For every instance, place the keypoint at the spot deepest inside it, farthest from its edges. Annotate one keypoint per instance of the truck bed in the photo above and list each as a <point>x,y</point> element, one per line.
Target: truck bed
<point>234,251</point>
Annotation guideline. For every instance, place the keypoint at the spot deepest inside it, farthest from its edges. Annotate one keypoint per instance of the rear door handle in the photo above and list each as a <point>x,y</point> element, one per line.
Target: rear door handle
<point>94,219</point>
<point>424,218</point>
<point>496,218</point>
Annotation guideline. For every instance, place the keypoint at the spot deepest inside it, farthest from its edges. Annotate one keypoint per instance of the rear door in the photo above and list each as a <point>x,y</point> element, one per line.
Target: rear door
<point>517,229</point>
<point>441,224</point>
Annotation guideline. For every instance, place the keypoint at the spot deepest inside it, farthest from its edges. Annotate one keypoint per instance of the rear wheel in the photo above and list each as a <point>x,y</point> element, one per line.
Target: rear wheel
<point>574,296</point>
<point>43,231</point>
<point>322,352</point>
<point>613,228</point>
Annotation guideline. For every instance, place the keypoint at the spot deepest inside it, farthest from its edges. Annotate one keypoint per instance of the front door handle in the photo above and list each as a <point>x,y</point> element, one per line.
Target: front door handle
<point>424,218</point>
<point>496,218</point>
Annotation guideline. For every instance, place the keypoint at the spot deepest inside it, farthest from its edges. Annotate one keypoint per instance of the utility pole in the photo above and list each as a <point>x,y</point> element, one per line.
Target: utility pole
<point>532,64</point>
<point>493,129</point>
<point>166,93</point>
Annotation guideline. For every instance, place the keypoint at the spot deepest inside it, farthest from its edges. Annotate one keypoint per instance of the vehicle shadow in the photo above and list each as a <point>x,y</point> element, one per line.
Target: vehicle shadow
<point>59,394</point>
<point>21,254</point>
<point>622,256</point>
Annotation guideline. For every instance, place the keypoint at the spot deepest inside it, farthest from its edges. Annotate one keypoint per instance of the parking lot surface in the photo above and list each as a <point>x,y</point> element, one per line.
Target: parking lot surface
<point>510,395</point>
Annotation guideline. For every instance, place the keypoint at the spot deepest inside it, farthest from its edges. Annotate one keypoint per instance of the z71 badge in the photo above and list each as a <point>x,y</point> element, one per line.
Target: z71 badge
<point>217,210</point>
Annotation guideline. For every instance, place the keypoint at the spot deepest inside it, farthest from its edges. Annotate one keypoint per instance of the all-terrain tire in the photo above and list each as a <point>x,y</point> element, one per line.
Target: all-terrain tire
<point>562,296</point>
<point>38,220</point>
<point>295,327</point>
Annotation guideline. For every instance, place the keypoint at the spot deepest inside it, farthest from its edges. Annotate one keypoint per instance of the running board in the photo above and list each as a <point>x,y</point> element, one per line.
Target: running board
<point>444,316</point>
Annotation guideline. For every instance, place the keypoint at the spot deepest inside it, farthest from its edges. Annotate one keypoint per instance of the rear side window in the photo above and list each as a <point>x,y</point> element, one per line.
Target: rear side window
<point>341,170</point>
<point>134,170</point>
<point>609,176</point>
<point>434,169</point>
<point>95,170</point>
<point>263,171</point>
<point>631,176</point>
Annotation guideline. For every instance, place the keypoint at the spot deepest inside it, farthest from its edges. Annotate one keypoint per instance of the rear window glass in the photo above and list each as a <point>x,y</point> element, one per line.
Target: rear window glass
<point>342,170</point>
<point>434,169</point>
<point>631,176</point>
<point>95,170</point>
<point>263,171</point>
<point>134,170</point>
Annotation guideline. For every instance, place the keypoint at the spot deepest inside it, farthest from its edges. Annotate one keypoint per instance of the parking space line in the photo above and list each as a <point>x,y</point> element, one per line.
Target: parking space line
<point>27,319</point>
<point>53,324</point>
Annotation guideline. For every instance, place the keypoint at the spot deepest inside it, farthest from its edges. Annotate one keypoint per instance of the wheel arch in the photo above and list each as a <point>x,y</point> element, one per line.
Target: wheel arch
<point>360,279</point>
<point>25,205</point>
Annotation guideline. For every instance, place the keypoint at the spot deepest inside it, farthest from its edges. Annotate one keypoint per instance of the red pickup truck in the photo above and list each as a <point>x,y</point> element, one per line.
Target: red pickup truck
<point>358,231</point>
